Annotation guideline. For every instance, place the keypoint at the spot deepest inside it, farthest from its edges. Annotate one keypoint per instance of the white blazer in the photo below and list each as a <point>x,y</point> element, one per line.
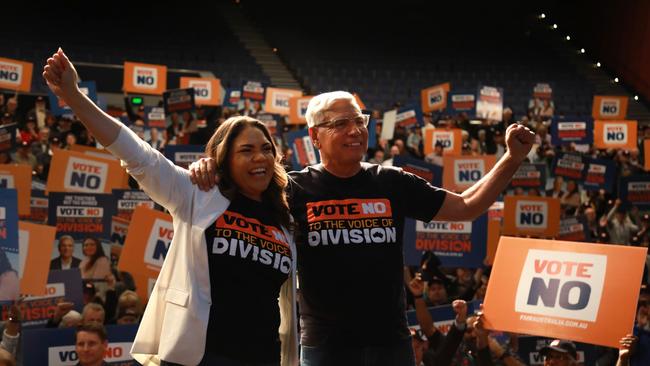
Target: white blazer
<point>175,322</point>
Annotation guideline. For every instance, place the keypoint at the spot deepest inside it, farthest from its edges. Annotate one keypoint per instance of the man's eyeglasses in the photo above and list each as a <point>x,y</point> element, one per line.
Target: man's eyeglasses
<point>360,121</point>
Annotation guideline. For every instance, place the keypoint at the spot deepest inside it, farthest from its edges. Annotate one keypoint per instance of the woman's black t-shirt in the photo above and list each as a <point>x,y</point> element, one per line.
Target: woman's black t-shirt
<point>249,259</point>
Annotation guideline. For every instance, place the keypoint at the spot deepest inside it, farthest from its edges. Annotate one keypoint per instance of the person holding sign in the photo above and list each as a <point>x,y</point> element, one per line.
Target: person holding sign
<point>231,257</point>
<point>350,217</point>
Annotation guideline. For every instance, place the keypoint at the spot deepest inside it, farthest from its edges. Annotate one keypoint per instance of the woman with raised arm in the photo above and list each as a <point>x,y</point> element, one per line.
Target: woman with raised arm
<point>232,256</point>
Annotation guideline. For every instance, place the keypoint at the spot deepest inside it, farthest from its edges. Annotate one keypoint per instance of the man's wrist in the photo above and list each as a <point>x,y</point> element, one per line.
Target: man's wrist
<point>511,159</point>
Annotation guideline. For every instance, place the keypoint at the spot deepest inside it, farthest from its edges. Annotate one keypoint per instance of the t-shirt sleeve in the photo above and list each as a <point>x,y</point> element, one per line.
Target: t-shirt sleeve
<point>420,199</point>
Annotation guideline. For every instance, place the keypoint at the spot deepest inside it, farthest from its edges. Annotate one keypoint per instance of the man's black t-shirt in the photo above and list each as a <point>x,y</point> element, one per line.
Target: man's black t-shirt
<point>350,260</point>
<point>249,259</point>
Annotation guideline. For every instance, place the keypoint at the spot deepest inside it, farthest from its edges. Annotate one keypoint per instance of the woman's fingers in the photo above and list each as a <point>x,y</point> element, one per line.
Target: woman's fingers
<point>53,64</point>
<point>205,183</point>
<point>211,175</point>
<point>49,75</point>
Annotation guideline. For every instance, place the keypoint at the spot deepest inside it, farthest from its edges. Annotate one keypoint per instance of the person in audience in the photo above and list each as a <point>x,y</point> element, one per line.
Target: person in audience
<point>91,344</point>
<point>11,108</point>
<point>128,302</point>
<point>41,147</point>
<point>570,199</point>
<point>95,265</point>
<point>486,348</point>
<point>127,316</point>
<point>377,157</point>
<point>556,191</point>
<point>6,118</point>
<point>420,345</point>
<point>39,113</point>
<point>560,353</point>
<point>546,109</point>
<point>394,151</point>
<point>414,142</point>
<point>89,292</point>
<point>619,226</point>
<point>24,155</point>
<point>62,309</point>
<point>71,320</point>
<point>93,313</point>
<point>66,259</point>
<point>435,157</point>
<point>436,293</point>
<point>640,355</point>
<point>441,349</point>
<point>29,133</point>
<point>199,309</point>
<point>175,130</point>
<point>627,346</point>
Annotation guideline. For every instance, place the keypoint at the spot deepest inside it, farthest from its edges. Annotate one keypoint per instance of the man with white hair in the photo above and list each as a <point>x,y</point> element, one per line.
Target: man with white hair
<point>71,320</point>
<point>350,218</point>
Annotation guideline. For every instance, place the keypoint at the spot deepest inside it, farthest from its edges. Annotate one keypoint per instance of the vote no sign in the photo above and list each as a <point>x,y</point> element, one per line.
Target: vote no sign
<point>73,171</point>
<point>559,289</point>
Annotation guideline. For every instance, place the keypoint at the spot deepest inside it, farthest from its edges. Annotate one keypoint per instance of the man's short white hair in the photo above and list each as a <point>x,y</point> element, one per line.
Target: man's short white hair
<point>71,319</point>
<point>319,104</point>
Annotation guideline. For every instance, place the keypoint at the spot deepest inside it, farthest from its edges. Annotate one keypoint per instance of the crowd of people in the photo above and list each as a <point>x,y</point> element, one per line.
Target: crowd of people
<point>609,219</point>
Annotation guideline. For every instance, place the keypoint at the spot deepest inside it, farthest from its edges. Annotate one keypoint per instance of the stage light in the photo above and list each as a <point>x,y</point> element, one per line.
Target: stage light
<point>636,97</point>
<point>554,26</point>
<point>568,38</point>
<point>542,16</point>
<point>616,80</point>
<point>582,50</point>
<point>597,64</point>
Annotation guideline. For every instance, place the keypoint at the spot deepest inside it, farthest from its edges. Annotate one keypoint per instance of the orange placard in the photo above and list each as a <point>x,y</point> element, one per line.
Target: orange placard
<point>207,91</point>
<point>144,78</point>
<point>461,172</point>
<point>434,98</point>
<point>36,241</point>
<point>451,140</point>
<point>298,108</point>
<point>145,248</point>
<point>15,75</point>
<point>19,177</point>
<point>567,290</point>
<point>495,219</point>
<point>93,151</point>
<point>73,171</point>
<point>609,107</point>
<point>615,135</point>
<point>277,100</point>
<point>646,154</point>
<point>534,216</point>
